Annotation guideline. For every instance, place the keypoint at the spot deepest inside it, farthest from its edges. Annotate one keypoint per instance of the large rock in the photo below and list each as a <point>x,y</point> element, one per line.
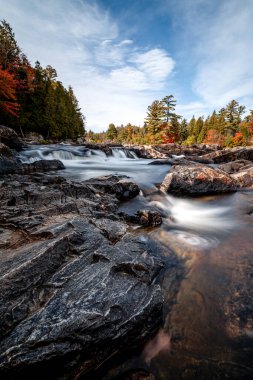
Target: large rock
<point>236,166</point>
<point>8,161</point>
<point>70,302</point>
<point>197,180</point>
<point>227,155</point>
<point>42,166</point>
<point>76,288</point>
<point>169,150</point>
<point>10,138</point>
<point>244,178</point>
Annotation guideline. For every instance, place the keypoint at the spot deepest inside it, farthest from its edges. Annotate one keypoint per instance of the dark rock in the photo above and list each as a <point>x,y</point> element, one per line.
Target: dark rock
<point>146,218</point>
<point>162,162</point>
<point>227,155</point>
<point>42,166</point>
<point>236,166</point>
<point>168,150</point>
<point>75,286</point>
<point>197,180</point>
<point>69,302</point>
<point>8,161</point>
<point>10,138</point>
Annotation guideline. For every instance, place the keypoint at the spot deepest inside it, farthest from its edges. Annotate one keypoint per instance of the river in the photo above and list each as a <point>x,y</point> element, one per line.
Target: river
<point>208,332</point>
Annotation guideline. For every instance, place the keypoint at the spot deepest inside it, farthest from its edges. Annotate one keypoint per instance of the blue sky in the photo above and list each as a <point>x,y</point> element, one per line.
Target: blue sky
<point>121,55</point>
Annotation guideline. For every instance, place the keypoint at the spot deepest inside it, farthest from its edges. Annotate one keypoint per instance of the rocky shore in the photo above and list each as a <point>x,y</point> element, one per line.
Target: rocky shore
<point>78,286</point>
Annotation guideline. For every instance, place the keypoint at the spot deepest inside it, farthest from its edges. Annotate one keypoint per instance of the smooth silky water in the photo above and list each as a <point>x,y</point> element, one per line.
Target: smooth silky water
<point>208,333</point>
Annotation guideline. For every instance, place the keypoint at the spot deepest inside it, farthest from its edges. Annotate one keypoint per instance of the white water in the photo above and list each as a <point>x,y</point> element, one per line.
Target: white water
<point>197,222</point>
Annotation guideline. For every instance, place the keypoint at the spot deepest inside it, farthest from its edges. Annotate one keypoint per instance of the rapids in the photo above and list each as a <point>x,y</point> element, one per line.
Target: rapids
<point>202,337</point>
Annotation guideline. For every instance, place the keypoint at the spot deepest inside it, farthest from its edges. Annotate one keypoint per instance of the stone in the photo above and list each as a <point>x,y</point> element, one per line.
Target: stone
<point>228,155</point>
<point>76,286</point>
<point>10,138</point>
<point>8,161</point>
<point>197,179</point>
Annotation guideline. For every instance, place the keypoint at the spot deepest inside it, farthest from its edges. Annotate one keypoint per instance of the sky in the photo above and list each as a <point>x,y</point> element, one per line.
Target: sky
<point>121,55</point>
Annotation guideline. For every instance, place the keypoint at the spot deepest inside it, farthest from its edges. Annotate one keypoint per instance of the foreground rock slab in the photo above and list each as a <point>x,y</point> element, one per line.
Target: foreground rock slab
<point>77,287</point>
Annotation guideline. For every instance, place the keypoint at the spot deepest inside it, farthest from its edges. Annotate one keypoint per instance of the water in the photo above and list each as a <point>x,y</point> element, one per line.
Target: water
<point>208,333</point>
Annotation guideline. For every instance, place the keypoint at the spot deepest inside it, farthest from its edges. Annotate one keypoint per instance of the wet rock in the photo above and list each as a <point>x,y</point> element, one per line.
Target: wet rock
<point>8,161</point>
<point>42,166</point>
<point>227,155</point>
<point>75,286</point>
<point>244,178</point>
<point>146,218</point>
<point>236,166</point>
<point>10,138</point>
<point>69,302</point>
<point>167,150</point>
<point>197,180</point>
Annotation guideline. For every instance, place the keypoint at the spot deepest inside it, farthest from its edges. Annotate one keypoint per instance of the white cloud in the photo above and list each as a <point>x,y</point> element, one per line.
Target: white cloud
<point>225,55</point>
<point>81,40</point>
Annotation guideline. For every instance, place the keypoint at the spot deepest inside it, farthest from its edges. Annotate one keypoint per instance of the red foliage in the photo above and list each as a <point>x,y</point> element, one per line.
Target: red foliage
<point>169,135</point>
<point>237,139</point>
<point>8,99</point>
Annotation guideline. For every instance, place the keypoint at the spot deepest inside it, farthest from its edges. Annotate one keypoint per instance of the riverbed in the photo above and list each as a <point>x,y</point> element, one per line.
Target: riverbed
<point>208,331</point>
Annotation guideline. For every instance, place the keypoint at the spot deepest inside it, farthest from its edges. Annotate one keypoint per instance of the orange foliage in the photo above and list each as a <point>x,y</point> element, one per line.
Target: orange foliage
<point>237,139</point>
<point>8,99</point>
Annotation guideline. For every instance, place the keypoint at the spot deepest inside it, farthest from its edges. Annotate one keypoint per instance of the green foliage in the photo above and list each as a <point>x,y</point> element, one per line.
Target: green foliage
<point>111,132</point>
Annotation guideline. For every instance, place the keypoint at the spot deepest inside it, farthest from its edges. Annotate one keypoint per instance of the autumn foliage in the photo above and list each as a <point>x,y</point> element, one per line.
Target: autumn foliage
<point>8,98</point>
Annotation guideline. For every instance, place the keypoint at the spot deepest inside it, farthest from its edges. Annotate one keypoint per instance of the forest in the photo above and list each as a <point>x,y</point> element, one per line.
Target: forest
<point>32,100</point>
<point>228,127</point>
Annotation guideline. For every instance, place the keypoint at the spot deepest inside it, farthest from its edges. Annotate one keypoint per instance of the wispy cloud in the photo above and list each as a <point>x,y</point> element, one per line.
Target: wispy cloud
<point>109,73</point>
<point>225,71</point>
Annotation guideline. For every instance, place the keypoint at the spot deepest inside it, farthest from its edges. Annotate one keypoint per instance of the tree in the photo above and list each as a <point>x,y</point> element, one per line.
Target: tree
<point>168,104</point>
<point>8,98</point>
<point>9,49</point>
<point>154,119</point>
<point>233,113</point>
<point>111,132</point>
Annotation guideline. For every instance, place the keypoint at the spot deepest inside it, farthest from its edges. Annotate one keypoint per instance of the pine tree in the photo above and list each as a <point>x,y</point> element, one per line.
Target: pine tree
<point>112,132</point>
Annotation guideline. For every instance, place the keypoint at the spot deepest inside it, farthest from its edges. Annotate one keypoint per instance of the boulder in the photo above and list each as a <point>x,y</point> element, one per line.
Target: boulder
<point>76,287</point>
<point>69,302</point>
<point>227,155</point>
<point>244,178</point>
<point>236,166</point>
<point>10,138</point>
<point>8,161</point>
<point>197,179</point>
<point>42,166</point>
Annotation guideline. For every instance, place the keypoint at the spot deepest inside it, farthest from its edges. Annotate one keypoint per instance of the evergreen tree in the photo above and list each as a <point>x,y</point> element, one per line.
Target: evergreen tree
<point>112,132</point>
<point>154,118</point>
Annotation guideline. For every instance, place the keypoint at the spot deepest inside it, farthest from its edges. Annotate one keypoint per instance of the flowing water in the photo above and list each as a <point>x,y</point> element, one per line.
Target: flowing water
<point>208,333</point>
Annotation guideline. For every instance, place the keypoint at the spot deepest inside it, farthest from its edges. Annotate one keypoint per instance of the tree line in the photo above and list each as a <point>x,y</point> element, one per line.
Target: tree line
<point>31,98</point>
<point>227,127</point>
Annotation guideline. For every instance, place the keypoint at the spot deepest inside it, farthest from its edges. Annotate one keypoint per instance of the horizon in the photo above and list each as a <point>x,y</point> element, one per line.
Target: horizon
<point>121,56</point>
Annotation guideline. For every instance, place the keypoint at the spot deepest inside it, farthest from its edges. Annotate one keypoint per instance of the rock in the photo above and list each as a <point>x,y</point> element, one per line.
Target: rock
<point>10,138</point>
<point>8,161</point>
<point>146,218</point>
<point>118,185</point>
<point>197,179</point>
<point>75,286</point>
<point>244,178</point>
<point>69,302</point>
<point>236,166</point>
<point>168,150</point>
<point>43,166</point>
<point>227,155</point>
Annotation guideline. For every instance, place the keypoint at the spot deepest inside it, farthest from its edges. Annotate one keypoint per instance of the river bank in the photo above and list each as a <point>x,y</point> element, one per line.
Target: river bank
<point>92,267</point>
